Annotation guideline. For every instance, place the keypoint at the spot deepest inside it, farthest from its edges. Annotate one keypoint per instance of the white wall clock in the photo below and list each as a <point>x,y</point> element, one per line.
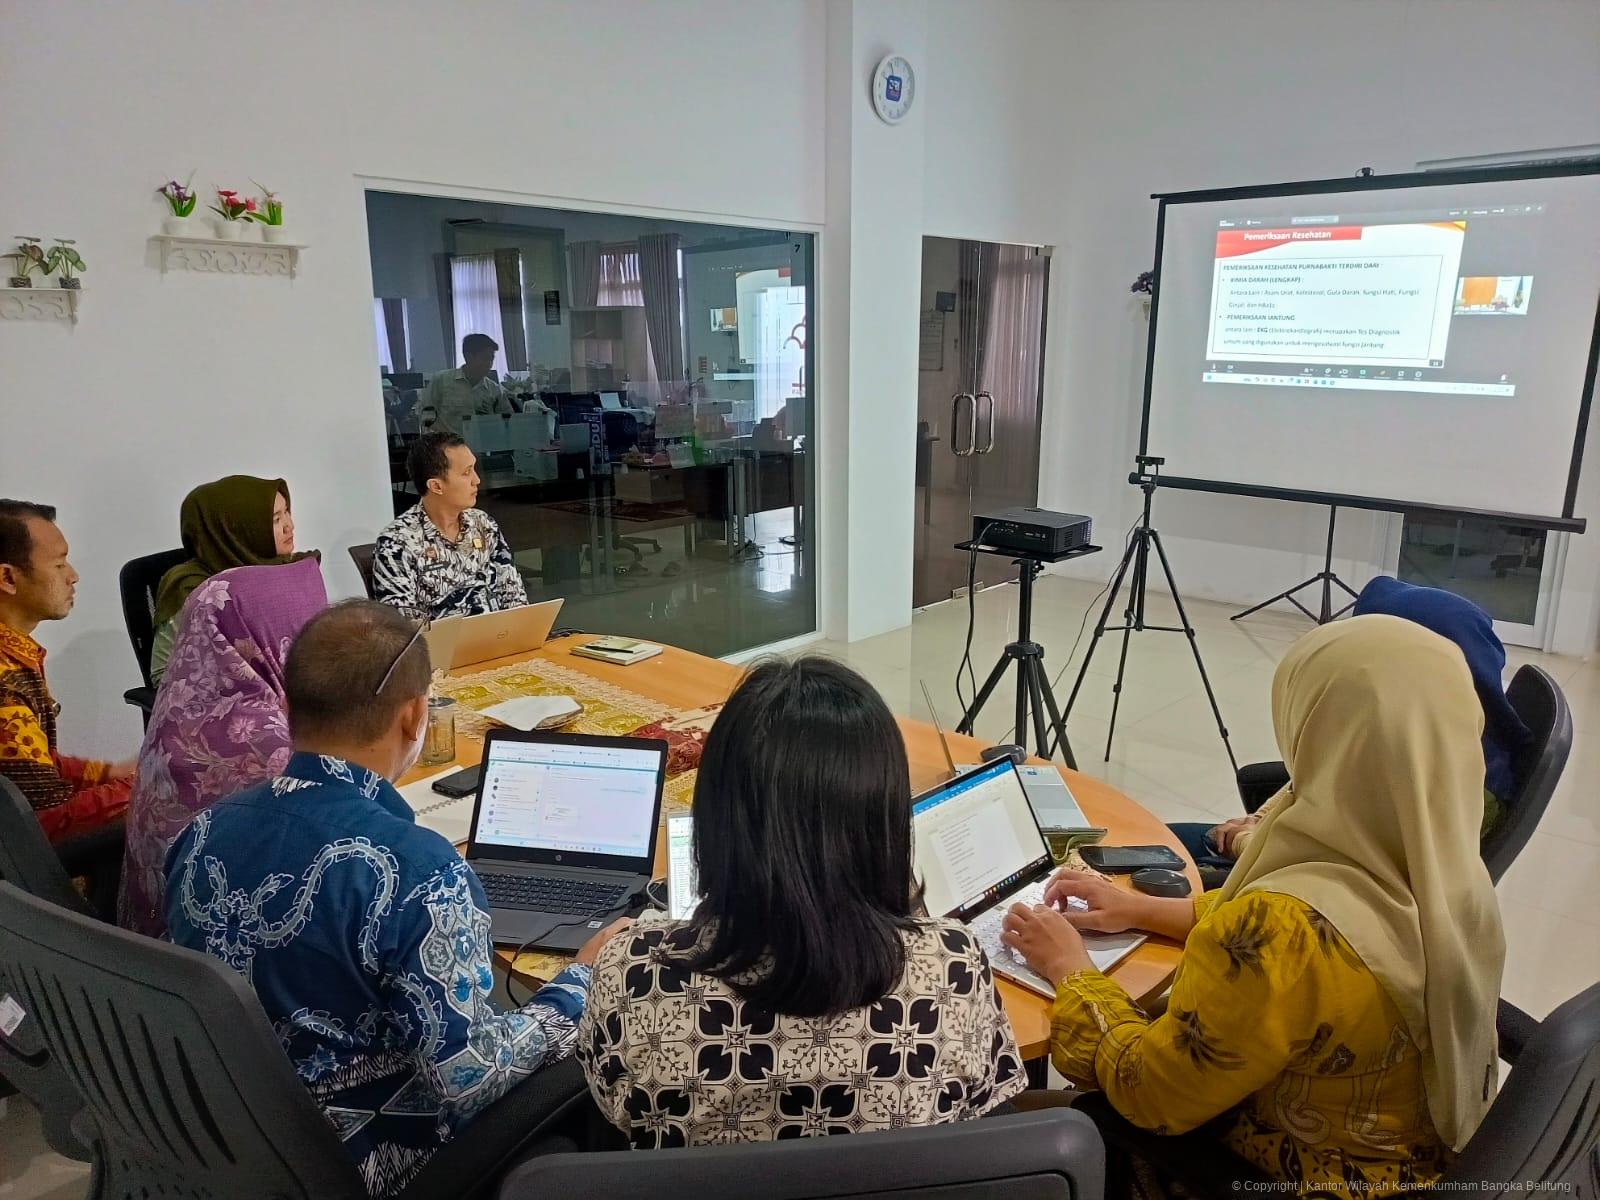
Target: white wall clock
<point>894,88</point>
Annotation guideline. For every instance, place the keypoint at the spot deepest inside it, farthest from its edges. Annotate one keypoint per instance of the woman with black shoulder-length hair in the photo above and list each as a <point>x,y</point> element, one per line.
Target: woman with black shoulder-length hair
<point>804,996</point>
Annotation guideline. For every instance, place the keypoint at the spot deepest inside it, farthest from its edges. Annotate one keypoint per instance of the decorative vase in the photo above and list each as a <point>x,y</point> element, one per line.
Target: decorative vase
<point>175,226</point>
<point>70,283</point>
<point>19,281</point>
<point>228,231</point>
<point>274,233</point>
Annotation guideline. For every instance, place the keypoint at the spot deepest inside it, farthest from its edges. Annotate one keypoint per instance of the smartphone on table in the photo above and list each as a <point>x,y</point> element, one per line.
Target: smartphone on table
<point>1123,860</point>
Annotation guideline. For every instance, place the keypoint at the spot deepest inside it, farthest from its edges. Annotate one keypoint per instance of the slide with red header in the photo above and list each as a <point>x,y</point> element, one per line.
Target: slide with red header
<point>1378,295</point>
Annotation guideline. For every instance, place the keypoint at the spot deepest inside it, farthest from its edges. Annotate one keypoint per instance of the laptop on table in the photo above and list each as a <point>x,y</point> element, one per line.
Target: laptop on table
<point>978,851</point>
<point>564,832</point>
<point>462,641</point>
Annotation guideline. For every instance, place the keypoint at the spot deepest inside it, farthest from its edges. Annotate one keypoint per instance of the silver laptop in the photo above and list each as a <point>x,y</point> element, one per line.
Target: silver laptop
<point>979,851</point>
<point>463,641</point>
<point>564,832</point>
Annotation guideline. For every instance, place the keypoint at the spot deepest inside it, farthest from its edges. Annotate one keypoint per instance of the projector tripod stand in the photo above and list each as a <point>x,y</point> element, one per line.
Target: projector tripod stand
<point>1034,693</point>
<point>1135,569</point>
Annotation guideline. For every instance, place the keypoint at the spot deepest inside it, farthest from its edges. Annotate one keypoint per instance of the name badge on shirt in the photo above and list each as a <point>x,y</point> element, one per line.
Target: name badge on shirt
<point>477,542</point>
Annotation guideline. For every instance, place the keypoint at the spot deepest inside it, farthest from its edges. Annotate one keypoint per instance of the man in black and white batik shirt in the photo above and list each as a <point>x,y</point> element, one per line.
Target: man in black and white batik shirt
<point>445,558</point>
<point>676,1058</point>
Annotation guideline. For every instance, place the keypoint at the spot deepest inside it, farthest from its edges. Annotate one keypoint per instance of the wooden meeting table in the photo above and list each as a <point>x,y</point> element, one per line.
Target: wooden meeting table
<point>686,681</point>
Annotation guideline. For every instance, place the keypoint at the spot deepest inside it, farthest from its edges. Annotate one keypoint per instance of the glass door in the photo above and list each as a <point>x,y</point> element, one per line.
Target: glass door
<point>979,398</point>
<point>1510,571</point>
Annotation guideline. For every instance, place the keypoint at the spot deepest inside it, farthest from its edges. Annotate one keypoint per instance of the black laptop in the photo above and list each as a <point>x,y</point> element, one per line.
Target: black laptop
<point>564,832</point>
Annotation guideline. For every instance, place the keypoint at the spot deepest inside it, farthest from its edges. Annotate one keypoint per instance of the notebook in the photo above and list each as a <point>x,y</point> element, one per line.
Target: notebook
<point>622,651</point>
<point>535,712</point>
<point>450,819</point>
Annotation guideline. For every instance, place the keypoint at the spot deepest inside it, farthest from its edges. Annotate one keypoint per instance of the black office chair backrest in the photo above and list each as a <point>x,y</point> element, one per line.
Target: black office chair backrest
<point>1545,1123</point>
<point>139,581</point>
<point>26,857</point>
<point>1543,708</point>
<point>1054,1154</point>
<point>185,1089</point>
<point>362,557</point>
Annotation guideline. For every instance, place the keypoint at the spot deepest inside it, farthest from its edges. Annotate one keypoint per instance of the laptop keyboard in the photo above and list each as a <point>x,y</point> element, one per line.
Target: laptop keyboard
<point>554,895</point>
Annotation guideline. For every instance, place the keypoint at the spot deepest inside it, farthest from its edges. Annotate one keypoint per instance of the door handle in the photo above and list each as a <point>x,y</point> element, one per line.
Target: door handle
<point>988,426</point>
<point>955,425</point>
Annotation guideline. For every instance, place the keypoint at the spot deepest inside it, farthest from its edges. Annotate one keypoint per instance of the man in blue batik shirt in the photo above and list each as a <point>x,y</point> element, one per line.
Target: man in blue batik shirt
<point>365,936</point>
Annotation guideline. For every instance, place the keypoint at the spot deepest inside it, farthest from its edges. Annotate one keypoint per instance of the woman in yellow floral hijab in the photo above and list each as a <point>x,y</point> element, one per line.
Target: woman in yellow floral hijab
<point>1335,1003</point>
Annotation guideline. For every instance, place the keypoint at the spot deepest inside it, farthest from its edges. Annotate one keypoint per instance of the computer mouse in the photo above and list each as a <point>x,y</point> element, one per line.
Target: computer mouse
<point>1156,881</point>
<point>1006,750</point>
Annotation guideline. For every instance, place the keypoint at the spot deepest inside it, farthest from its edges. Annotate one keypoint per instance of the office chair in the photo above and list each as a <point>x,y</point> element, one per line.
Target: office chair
<point>184,1087</point>
<point>1049,1155</point>
<point>28,862</point>
<point>1544,1124</point>
<point>139,580</point>
<point>1539,701</point>
<point>362,557</point>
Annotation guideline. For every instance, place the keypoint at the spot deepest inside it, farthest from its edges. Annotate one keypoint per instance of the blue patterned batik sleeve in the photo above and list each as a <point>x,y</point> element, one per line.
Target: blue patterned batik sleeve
<point>506,587</point>
<point>395,572</point>
<point>468,1052</point>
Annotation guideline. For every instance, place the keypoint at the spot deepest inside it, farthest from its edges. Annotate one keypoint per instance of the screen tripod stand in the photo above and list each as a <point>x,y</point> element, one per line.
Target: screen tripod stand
<point>1325,577</point>
<point>1135,569</point>
<point>1034,693</point>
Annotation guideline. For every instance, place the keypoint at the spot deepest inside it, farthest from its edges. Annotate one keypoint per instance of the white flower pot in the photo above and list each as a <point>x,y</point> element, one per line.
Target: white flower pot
<point>275,233</point>
<point>229,231</point>
<point>178,227</point>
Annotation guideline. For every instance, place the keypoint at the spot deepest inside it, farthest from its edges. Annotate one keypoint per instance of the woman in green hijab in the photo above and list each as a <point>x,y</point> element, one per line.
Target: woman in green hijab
<point>236,521</point>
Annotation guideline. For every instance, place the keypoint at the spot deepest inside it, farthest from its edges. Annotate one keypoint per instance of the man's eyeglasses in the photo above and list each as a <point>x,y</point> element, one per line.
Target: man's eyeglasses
<point>382,683</point>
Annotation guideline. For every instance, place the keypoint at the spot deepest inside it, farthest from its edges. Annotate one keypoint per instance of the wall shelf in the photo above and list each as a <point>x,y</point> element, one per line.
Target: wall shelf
<point>220,256</point>
<point>39,304</point>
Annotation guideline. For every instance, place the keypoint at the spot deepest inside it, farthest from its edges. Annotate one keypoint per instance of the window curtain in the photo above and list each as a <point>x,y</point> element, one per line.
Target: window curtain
<point>475,302</point>
<point>1013,361</point>
<point>619,277</point>
<point>979,261</point>
<point>393,325</point>
<point>662,285</point>
<point>583,264</point>
<point>385,355</point>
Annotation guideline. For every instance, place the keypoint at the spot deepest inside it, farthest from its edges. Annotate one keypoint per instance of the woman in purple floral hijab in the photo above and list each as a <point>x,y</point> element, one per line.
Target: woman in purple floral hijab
<point>219,723</point>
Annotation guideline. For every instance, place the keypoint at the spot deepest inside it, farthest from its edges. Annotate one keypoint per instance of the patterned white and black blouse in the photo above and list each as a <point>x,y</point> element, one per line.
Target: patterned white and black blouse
<point>427,576</point>
<point>675,1058</point>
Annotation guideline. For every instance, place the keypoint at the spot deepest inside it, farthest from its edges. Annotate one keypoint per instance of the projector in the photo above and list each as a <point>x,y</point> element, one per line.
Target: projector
<point>1031,530</point>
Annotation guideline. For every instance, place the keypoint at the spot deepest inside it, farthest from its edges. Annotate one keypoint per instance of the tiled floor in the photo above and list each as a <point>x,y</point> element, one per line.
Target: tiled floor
<point>1167,755</point>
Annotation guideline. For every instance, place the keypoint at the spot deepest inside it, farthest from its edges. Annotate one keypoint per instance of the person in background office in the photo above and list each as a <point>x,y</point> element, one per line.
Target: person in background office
<point>365,936</point>
<point>1217,847</point>
<point>219,723</point>
<point>465,391</point>
<point>70,796</point>
<point>235,521</point>
<point>445,558</point>
<point>804,996</point>
<point>1335,1003</point>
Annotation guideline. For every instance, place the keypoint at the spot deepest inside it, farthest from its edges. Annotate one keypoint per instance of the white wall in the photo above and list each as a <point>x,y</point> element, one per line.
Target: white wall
<point>1168,95</point>
<point>171,380</point>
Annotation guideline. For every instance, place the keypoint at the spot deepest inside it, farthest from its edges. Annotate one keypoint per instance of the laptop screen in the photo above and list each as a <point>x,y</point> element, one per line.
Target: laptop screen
<point>975,839</point>
<point>569,796</point>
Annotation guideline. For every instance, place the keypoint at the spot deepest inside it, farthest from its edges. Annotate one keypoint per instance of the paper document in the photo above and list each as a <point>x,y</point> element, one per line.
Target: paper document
<point>451,819</point>
<point>534,712</point>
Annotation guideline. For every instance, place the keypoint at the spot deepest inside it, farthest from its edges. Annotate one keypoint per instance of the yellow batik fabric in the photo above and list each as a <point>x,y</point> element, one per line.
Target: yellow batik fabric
<point>1274,1019</point>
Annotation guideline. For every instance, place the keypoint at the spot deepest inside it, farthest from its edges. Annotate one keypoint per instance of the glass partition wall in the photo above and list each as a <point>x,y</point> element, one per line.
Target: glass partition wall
<point>652,467</point>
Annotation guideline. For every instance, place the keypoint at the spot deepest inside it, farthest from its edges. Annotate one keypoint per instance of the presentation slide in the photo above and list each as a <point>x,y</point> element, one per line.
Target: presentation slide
<point>1426,344</point>
<point>578,799</point>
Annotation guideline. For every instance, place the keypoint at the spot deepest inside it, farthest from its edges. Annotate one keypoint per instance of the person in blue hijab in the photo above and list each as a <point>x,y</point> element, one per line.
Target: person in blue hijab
<point>1214,848</point>
<point>1469,627</point>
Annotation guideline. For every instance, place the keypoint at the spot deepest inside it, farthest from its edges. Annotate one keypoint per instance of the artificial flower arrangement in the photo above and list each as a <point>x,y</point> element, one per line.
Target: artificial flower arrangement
<point>29,256</point>
<point>270,210</point>
<point>66,260</point>
<point>180,196</point>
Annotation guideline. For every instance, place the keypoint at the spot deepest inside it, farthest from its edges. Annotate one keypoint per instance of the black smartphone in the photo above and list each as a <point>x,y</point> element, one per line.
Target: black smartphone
<point>459,783</point>
<point>1120,860</point>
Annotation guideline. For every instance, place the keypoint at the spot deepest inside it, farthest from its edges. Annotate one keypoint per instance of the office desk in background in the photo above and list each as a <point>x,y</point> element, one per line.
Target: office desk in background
<point>687,681</point>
